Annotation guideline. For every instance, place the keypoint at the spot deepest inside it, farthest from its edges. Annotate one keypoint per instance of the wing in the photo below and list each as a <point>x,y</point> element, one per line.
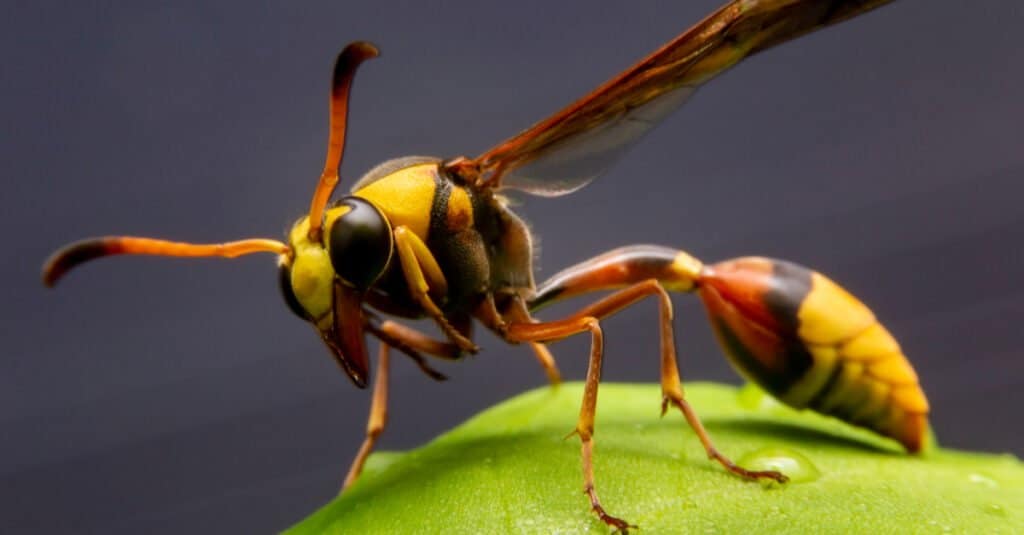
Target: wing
<point>572,147</point>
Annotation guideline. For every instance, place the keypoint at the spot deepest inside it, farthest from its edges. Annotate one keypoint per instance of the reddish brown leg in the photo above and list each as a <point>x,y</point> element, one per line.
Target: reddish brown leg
<point>671,386</point>
<point>411,342</point>
<point>547,361</point>
<point>378,418</point>
<point>517,312</point>
<point>397,333</point>
<point>556,330</point>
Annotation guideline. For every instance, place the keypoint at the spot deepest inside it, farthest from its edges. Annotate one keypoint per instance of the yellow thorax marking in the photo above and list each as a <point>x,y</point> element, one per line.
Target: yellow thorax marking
<point>405,197</point>
<point>460,210</point>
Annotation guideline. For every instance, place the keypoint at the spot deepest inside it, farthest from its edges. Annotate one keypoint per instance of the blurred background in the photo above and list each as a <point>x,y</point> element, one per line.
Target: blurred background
<point>166,395</point>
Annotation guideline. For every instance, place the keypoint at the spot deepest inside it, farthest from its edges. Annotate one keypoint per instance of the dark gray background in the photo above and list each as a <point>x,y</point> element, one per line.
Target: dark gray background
<point>166,395</point>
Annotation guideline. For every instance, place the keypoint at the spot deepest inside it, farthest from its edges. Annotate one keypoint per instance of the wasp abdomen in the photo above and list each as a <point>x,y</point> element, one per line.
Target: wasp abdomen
<point>812,345</point>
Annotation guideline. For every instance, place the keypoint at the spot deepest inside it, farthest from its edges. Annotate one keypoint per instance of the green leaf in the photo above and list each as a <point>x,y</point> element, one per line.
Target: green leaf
<point>509,470</point>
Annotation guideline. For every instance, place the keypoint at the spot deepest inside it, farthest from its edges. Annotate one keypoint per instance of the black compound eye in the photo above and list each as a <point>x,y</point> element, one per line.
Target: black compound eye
<point>284,279</point>
<point>360,243</point>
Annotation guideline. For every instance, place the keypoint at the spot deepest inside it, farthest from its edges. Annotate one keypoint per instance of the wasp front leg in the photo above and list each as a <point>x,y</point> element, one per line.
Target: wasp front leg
<point>423,275</point>
<point>411,342</point>
<point>378,417</point>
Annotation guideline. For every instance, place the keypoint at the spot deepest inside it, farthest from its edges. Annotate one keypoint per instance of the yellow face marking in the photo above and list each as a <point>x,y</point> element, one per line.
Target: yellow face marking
<point>405,197</point>
<point>312,275</point>
<point>829,315</point>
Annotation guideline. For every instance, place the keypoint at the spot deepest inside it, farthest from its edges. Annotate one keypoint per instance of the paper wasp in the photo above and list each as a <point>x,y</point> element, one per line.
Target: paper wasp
<point>430,237</point>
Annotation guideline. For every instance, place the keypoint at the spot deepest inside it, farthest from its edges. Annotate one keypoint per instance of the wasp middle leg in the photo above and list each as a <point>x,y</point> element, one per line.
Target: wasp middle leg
<point>488,314</point>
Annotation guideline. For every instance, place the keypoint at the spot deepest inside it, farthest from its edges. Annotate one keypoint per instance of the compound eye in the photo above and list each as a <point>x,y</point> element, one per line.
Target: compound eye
<point>360,243</point>
<point>284,279</point>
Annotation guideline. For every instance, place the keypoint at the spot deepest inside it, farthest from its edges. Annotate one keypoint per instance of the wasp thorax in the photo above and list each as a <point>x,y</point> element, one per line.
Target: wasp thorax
<point>359,242</point>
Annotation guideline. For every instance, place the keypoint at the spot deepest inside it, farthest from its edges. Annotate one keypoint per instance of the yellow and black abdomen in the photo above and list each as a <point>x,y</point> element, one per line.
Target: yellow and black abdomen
<point>812,345</point>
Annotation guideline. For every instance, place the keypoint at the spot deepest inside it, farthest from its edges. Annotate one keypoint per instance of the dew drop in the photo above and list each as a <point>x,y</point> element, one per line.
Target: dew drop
<point>797,467</point>
<point>984,481</point>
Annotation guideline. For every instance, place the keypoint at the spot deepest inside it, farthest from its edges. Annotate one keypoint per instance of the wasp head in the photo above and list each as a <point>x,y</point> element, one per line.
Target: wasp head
<point>324,280</point>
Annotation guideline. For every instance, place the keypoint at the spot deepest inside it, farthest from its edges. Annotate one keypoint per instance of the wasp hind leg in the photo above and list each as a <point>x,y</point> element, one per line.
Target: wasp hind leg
<point>588,319</point>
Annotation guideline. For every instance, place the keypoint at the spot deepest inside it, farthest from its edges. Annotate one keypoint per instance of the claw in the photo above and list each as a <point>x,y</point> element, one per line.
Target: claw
<point>620,525</point>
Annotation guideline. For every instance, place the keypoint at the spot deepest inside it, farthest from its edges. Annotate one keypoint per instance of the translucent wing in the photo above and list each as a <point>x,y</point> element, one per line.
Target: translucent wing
<point>569,149</point>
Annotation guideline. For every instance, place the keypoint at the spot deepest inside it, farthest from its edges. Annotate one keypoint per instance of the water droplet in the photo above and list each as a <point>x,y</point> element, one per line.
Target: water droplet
<point>797,467</point>
<point>995,509</point>
<point>750,396</point>
<point>982,480</point>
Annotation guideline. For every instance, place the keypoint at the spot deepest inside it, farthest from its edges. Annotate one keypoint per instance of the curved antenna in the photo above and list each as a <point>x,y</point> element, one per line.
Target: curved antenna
<point>341,84</point>
<point>82,251</point>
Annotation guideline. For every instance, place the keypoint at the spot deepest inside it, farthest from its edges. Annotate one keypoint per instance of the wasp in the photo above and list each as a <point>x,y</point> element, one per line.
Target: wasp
<point>424,237</point>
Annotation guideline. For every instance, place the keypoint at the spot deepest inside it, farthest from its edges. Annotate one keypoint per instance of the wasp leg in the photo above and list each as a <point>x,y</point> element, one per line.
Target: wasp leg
<point>411,342</point>
<point>519,312</point>
<point>487,313</point>
<point>423,275</point>
<point>399,335</point>
<point>378,417</point>
<point>556,330</point>
<point>648,270</point>
<point>547,361</point>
